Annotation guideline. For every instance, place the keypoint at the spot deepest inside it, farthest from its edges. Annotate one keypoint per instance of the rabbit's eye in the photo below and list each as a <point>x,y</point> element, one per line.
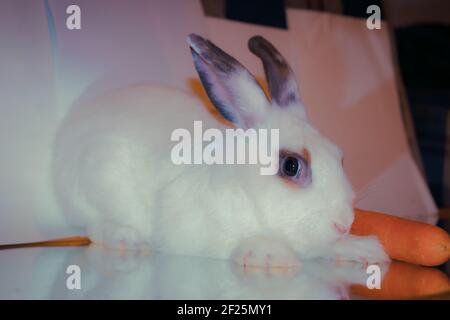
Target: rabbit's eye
<point>295,168</point>
<point>290,166</point>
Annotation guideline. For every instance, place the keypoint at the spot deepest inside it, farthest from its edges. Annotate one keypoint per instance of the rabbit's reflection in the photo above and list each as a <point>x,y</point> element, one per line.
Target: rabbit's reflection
<point>114,275</point>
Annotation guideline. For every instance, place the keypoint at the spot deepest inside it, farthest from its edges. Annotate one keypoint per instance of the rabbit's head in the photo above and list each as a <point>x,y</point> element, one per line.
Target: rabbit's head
<point>310,198</point>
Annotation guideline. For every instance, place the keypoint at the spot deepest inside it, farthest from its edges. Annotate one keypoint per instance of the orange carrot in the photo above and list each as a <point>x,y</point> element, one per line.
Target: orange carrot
<point>407,281</point>
<point>405,240</point>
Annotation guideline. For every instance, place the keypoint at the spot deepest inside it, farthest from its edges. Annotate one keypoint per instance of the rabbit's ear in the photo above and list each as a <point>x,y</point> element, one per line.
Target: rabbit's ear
<point>281,80</point>
<point>231,88</point>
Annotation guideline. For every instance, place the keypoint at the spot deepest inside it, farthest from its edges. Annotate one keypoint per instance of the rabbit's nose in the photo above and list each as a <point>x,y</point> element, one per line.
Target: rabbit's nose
<point>341,229</point>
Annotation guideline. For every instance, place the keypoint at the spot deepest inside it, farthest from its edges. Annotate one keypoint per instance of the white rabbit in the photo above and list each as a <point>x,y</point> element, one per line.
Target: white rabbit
<point>114,176</point>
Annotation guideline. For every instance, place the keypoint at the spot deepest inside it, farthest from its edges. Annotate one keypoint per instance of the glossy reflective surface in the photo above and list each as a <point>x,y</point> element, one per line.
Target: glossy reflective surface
<point>40,273</point>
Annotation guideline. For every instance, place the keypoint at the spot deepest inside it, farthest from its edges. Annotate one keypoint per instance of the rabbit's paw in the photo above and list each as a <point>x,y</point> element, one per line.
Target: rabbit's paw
<point>265,253</point>
<point>124,239</point>
<point>365,250</point>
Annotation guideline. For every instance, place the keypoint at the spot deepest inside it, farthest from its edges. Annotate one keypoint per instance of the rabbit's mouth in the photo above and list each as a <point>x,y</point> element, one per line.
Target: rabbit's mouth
<point>341,230</point>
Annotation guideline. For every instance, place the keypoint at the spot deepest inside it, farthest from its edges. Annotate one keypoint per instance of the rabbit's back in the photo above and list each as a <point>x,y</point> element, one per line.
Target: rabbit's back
<point>112,152</point>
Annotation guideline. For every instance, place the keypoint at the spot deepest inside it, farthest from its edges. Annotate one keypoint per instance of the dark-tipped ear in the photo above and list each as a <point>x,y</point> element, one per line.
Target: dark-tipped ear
<point>231,88</point>
<point>280,78</point>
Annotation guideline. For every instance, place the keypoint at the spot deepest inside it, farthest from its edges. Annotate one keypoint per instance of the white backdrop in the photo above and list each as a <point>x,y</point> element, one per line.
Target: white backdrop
<point>344,70</point>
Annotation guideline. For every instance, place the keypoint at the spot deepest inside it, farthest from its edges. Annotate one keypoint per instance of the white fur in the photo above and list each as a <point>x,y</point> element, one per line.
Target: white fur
<point>113,175</point>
